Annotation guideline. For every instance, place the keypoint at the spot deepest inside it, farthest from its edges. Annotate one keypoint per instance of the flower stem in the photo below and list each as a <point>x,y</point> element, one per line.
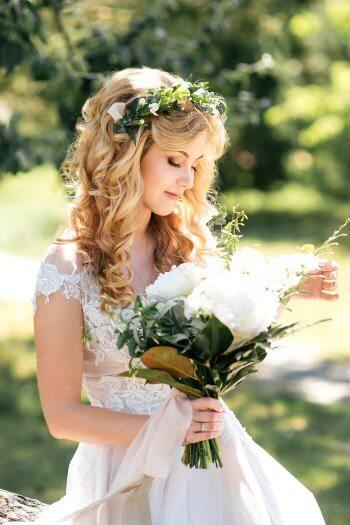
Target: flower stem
<point>202,454</point>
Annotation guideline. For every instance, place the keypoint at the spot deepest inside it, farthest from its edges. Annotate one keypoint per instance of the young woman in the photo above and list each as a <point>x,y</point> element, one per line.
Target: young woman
<point>143,197</point>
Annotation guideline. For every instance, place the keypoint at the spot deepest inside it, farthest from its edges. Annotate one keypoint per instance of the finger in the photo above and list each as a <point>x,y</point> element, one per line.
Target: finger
<point>315,280</point>
<point>324,266</point>
<point>201,436</point>
<point>329,296</point>
<point>329,285</point>
<point>328,265</point>
<point>207,416</point>
<point>330,276</point>
<point>205,403</point>
<point>316,271</point>
<point>208,427</point>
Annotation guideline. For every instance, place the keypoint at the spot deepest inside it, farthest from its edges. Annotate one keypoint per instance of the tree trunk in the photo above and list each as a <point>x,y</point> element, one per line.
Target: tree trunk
<point>15,507</point>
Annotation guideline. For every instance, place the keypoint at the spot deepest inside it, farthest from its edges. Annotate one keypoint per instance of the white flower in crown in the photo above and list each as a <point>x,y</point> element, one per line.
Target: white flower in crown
<point>116,110</point>
<point>141,102</point>
<point>153,108</point>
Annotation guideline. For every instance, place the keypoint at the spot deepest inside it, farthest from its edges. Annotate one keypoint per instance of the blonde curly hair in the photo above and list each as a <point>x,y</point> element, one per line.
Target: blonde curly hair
<point>102,170</point>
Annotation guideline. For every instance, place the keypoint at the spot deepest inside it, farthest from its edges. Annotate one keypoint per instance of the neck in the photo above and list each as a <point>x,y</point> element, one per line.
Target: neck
<point>142,231</point>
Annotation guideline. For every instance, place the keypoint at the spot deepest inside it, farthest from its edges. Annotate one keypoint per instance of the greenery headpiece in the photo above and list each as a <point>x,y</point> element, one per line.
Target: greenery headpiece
<point>160,100</point>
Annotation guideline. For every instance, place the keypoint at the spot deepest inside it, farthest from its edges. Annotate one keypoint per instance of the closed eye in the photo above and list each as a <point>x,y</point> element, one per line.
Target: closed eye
<point>177,165</point>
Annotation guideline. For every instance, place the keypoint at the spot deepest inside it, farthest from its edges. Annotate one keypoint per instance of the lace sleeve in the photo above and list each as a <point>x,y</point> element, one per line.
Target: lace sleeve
<point>59,271</point>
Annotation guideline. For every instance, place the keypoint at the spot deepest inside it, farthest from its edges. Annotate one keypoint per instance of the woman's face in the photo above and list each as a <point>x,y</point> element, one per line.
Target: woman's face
<point>169,171</point>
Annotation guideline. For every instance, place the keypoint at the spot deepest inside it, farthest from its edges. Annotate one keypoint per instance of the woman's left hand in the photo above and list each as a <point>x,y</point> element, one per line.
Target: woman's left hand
<point>321,282</point>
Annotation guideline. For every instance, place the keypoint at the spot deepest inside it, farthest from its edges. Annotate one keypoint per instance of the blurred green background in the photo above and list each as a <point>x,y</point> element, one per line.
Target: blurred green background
<point>285,72</point>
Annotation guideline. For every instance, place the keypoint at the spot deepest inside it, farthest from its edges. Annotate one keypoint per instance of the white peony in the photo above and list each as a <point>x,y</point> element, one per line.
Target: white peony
<point>248,261</point>
<point>242,303</point>
<point>278,274</point>
<point>214,264</point>
<point>179,281</point>
<point>245,297</point>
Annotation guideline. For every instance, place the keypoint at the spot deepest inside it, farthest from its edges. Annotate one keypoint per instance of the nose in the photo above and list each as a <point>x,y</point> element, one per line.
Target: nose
<point>187,179</point>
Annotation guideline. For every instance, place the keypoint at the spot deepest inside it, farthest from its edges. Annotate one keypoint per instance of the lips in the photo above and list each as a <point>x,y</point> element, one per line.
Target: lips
<point>172,195</point>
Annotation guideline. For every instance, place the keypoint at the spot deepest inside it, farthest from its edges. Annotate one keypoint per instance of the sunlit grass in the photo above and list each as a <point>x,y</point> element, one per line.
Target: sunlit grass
<point>32,206</point>
<point>16,318</point>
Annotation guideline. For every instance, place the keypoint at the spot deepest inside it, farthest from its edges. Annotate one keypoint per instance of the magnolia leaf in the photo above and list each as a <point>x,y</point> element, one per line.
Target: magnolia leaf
<point>212,341</point>
<point>168,359</point>
<point>154,376</point>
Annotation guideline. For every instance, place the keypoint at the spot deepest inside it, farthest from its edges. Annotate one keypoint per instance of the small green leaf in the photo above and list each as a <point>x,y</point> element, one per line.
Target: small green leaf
<point>131,134</point>
<point>308,248</point>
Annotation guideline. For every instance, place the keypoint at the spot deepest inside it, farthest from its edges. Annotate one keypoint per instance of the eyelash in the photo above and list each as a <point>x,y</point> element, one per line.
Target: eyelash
<point>177,165</point>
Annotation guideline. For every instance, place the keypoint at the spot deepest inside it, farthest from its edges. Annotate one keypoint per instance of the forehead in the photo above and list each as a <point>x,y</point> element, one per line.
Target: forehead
<point>193,149</point>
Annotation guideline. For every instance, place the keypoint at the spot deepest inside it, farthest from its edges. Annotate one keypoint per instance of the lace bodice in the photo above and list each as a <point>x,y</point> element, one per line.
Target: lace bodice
<point>61,271</point>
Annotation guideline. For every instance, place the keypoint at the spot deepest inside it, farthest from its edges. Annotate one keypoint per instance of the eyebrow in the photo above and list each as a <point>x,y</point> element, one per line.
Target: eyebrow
<point>186,154</point>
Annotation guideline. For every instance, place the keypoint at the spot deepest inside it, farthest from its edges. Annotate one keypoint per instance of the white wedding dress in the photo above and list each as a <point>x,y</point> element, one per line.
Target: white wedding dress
<point>146,483</point>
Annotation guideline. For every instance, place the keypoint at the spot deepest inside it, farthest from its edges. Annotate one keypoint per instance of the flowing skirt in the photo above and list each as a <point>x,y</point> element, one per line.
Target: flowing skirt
<point>147,484</point>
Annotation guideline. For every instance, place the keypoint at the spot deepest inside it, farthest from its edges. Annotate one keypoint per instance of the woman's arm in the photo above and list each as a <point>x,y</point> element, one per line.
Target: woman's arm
<point>58,329</point>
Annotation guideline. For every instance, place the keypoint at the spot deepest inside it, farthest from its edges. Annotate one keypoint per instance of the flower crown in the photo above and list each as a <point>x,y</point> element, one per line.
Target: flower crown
<point>160,100</point>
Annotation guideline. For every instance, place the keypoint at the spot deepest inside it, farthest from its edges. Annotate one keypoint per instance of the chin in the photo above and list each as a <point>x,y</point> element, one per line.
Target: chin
<point>163,211</point>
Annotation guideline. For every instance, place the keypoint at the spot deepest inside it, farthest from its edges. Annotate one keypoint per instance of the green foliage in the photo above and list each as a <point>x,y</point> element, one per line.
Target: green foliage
<point>313,106</point>
<point>20,24</point>
<point>228,234</point>
<point>164,99</point>
<point>177,36</point>
<point>282,67</point>
<point>16,150</point>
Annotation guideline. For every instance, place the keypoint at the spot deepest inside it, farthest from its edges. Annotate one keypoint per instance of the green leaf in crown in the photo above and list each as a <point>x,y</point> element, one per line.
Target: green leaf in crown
<point>160,100</point>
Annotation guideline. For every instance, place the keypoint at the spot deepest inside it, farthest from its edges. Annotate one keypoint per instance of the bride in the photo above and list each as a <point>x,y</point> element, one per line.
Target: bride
<point>142,174</point>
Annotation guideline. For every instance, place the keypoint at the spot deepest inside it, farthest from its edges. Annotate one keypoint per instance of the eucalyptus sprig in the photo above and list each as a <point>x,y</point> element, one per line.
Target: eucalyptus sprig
<point>230,235</point>
<point>326,247</point>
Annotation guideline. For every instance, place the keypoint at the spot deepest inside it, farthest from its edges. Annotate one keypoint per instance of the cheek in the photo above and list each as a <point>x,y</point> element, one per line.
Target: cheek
<point>154,177</point>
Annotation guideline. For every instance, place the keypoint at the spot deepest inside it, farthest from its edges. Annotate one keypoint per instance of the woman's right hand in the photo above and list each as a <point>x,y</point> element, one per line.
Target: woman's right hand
<point>209,411</point>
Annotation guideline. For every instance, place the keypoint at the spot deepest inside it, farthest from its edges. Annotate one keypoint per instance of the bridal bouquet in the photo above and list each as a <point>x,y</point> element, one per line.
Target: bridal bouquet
<point>203,328</point>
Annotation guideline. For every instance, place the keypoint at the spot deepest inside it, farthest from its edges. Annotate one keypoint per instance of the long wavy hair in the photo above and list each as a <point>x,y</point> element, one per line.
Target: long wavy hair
<point>102,172</point>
